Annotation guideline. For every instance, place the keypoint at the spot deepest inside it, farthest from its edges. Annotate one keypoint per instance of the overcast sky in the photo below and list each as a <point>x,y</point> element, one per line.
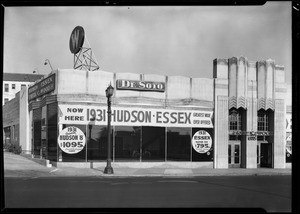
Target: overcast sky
<point>158,40</point>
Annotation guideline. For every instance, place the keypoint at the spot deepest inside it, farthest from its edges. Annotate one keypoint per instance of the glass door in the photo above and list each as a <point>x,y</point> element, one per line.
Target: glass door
<point>265,154</point>
<point>234,154</point>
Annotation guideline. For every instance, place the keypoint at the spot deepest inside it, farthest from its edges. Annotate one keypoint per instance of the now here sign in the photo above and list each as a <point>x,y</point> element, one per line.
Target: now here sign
<point>134,116</point>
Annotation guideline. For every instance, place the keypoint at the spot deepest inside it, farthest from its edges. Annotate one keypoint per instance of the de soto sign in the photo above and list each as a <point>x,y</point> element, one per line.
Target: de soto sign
<point>71,140</point>
<point>140,85</point>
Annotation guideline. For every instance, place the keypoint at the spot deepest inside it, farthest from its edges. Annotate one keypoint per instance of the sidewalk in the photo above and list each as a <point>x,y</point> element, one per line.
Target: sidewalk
<point>19,166</point>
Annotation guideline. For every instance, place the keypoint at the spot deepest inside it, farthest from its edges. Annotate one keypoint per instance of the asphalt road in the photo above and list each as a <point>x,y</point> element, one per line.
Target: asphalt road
<point>272,193</point>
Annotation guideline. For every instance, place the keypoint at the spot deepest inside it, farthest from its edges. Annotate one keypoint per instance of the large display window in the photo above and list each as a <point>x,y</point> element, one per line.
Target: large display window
<point>127,143</point>
<point>97,143</point>
<point>153,143</point>
<point>179,144</point>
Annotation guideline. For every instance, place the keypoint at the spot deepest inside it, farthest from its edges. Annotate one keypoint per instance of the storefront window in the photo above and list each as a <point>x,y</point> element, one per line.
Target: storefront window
<point>52,131</point>
<point>179,144</point>
<point>153,143</point>
<point>97,143</point>
<point>37,136</point>
<point>80,156</point>
<point>127,143</point>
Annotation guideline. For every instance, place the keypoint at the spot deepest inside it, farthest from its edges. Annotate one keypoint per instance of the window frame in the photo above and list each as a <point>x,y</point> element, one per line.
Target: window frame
<point>6,87</point>
<point>235,120</point>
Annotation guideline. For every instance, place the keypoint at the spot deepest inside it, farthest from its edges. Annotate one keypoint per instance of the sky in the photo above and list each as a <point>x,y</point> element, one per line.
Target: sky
<point>167,40</point>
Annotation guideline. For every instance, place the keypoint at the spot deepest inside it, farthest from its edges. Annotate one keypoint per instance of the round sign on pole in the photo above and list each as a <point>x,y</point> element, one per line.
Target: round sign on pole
<point>71,140</point>
<point>202,141</point>
<point>76,39</point>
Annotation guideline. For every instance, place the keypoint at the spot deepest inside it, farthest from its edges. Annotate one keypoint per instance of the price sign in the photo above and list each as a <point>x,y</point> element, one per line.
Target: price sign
<point>71,140</point>
<point>202,141</point>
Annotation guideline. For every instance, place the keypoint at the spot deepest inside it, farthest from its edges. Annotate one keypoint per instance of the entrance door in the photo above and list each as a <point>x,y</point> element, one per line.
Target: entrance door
<point>234,154</point>
<point>37,138</point>
<point>265,154</point>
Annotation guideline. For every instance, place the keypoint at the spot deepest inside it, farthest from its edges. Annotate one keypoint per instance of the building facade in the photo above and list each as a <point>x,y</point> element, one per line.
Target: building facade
<point>236,119</point>
<point>14,82</point>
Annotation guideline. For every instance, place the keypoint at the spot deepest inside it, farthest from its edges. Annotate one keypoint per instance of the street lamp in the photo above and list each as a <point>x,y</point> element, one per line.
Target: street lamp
<point>109,92</point>
<point>48,61</point>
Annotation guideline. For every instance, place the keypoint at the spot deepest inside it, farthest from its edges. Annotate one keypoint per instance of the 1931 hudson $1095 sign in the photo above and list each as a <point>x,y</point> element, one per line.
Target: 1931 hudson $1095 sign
<point>71,140</point>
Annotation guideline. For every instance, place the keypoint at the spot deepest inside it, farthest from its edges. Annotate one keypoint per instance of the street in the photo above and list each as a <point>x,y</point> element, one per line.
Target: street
<point>272,193</point>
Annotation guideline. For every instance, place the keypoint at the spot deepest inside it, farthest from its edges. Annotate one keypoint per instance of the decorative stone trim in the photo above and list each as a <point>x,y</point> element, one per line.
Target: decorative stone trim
<point>265,104</point>
<point>243,60</point>
<point>251,64</point>
<point>279,67</point>
<point>280,90</point>
<point>232,60</point>
<point>232,102</point>
<point>261,63</point>
<point>221,86</point>
<point>222,61</point>
<point>241,102</point>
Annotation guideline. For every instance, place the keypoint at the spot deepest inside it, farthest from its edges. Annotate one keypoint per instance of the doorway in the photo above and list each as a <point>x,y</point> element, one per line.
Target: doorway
<point>264,150</point>
<point>234,154</point>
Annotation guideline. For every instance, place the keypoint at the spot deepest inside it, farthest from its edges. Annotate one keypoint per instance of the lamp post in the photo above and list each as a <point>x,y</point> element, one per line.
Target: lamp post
<point>109,92</point>
<point>48,61</point>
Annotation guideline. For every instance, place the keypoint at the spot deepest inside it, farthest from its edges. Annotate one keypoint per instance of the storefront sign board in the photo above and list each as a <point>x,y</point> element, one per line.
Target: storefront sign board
<point>134,116</point>
<point>140,85</point>
<point>71,140</point>
<point>43,87</point>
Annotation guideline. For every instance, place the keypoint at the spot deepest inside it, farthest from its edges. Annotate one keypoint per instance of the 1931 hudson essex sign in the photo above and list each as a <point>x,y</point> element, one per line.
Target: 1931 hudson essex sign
<point>140,85</point>
<point>43,87</point>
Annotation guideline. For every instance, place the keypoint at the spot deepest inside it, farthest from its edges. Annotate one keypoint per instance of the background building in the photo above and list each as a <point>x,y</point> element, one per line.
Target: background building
<point>13,83</point>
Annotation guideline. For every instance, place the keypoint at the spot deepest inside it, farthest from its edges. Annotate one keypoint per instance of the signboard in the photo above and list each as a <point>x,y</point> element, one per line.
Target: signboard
<point>289,144</point>
<point>288,123</point>
<point>251,138</point>
<point>71,140</point>
<point>76,39</point>
<point>43,87</point>
<point>140,85</point>
<point>202,141</point>
<point>134,116</point>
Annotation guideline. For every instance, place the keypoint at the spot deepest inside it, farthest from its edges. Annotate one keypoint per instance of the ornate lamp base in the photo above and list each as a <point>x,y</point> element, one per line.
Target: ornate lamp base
<point>108,169</point>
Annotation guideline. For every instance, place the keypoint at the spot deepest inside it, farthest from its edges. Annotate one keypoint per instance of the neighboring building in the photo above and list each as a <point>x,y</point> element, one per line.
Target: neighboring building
<point>11,120</point>
<point>13,83</point>
<point>289,126</point>
<point>236,119</point>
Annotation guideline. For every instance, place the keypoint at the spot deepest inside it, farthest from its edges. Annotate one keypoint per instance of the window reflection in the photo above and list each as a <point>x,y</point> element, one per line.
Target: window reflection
<point>127,143</point>
<point>97,143</point>
<point>153,143</point>
<point>179,144</point>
